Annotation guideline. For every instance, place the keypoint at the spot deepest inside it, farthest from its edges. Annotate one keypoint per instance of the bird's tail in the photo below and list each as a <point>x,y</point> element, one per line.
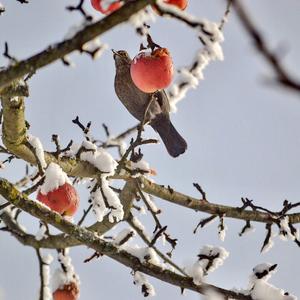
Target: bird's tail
<point>173,141</point>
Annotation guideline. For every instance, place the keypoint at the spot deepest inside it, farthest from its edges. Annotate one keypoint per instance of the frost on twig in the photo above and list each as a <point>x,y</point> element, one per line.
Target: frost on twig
<point>2,8</point>
<point>140,20</point>
<point>286,230</point>
<point>141,168</point>
<point>140,279</point>
<point>211,37</point>
<point>209,259</point>
<point>260,288</point>
<point>144,254</point>
<point>247,228</point>
<point>104,200</point>
<point>44,262</point>
<point>124,236</point>
<point>42,232</point>
<point>36,147</point>
<point>65,276</point>
<point>222,227</point>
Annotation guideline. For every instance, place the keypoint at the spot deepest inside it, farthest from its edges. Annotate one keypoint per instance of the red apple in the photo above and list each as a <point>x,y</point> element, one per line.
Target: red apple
<point>181,4</point>
<point>63,200</point>
<point>68,292</point>
<point>104,8</point>
<point>152,71</point>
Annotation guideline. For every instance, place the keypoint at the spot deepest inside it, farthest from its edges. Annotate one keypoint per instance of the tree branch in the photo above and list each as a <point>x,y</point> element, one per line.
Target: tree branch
<point>211,208</point>
<point>90,239</point>
<point>62,241</point>
<point>40,259</point>
<point>159,253</point>
<point>59,50</point>
<point>14,137</point>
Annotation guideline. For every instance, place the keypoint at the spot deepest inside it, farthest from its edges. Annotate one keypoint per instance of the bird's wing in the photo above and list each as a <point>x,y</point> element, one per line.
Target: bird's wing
<point>163,100</point>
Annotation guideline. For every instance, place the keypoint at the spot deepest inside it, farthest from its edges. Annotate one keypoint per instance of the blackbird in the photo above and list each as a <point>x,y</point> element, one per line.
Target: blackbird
<point>136,102</point>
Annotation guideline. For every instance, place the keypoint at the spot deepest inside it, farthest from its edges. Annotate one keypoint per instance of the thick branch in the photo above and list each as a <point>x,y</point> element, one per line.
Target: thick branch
<point>59,50</point>
<point>14,136</point>
<point>211,208</point>
<point>62,241</point>
<point>90,239</point>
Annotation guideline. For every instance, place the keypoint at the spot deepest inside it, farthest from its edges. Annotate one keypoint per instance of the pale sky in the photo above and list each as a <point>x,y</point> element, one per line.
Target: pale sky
<point>242,133</point>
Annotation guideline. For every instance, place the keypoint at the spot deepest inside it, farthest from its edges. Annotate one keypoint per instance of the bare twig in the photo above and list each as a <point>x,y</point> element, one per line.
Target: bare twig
<point>85,129</point>
<point>200,190</point>
<point>158,225</point>
<point>80,8</point>
<point>7,54</point>
<point>204,222</point>
<point>94,255</point>
<point>4,205</point>
<point>226,14</point>
<point>159,253</point>
<point>41,263</point>
<point>38,162</point>
<point>138,140</point>
<point>85,213</point>
<point>34,188</point>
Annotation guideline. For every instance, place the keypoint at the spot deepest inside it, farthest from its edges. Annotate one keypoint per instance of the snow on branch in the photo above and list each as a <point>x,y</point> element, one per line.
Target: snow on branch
<point>209,33</point>
<point>44,264</point>
<point>140,259</point>
<point>261,289</point>
<point>140,20</point>
<point>140,279</point>
<point>2,9</point>
<point>54,178</point>
<point>104,199</point>
<point>59,50</point>
<point>209,259</point>
<point>66,274</point>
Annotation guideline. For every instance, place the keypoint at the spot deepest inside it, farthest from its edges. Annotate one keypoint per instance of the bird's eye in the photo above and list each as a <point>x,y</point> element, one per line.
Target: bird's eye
<point>122,53</point>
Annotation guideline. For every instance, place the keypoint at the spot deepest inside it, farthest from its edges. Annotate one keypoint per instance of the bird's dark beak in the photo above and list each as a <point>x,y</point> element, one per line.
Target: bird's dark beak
<point>114,53</point>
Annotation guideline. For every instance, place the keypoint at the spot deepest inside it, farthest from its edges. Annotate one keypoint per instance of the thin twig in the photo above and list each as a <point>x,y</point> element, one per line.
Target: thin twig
<point>159,253</point>
<point>41,263</point>
<point>4,205</point>
<point>226,14</point>
<point>38,162</point>
<point>80,8</point>
<point>138,141</point>
<point>85,213</point>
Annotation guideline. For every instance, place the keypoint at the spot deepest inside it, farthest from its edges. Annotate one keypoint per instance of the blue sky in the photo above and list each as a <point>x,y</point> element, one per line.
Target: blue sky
<point>242,132</point>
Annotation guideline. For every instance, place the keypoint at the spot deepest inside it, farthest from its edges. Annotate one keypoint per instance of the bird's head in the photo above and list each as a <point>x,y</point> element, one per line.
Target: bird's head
<point>121,57</point>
